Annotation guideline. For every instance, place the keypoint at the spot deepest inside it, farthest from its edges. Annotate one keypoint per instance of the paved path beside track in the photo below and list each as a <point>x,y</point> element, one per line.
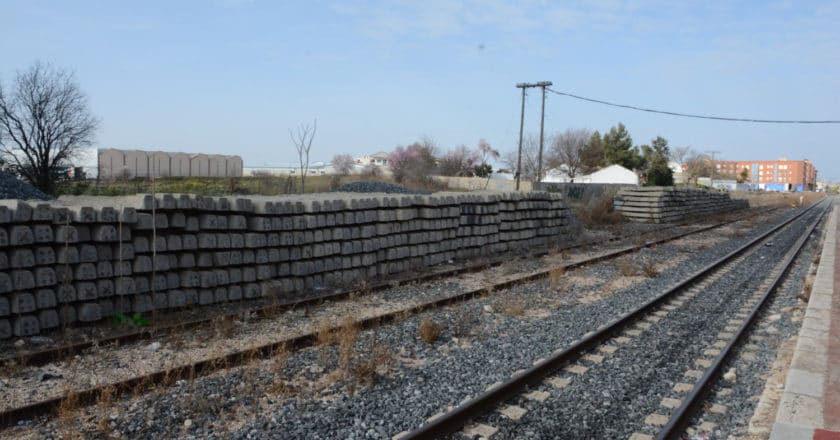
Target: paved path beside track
<point>810,404</point>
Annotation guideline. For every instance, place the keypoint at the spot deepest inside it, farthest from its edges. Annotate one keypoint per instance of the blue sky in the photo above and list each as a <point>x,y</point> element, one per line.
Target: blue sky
<point>232,76</point>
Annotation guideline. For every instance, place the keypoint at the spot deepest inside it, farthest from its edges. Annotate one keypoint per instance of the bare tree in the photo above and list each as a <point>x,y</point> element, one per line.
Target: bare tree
<point>567,150</point>
<point>44,120</point>
<point>698,165</point>
<point>302,138</point>
<point>458,161</point>
<point>530,149</point>
<point>343,163</point>
<point>681,154</point>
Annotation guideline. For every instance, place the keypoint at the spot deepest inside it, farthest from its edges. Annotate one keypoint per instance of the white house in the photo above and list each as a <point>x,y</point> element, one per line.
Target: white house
<point>379,159</point>
<point>610,174</point>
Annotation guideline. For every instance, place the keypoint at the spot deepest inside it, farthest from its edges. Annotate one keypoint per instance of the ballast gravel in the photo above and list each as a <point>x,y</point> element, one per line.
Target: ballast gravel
<point>613,399</point>
<point>13,188</point>
<point>378,187</point>
<point>778,322</point>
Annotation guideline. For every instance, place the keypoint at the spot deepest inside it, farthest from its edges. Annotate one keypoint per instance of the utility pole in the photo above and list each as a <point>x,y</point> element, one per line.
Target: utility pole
<point>524,86</point>
<point>712,178</point>
<point>521,127</point>
<point>543,84</point>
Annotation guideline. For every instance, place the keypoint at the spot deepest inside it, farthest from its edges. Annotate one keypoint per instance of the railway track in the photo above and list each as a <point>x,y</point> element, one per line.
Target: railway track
<point>496,409</point>
<point>52,354</point>
<point>169,376</point>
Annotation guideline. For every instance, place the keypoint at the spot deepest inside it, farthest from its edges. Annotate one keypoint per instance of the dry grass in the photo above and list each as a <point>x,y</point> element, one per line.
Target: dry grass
<point>511,305</point>
<point>220,186</point>
<point>816,259</point>
<point>346,337</point>
<point>224,327</point>
<point>778,200</point>
<point>464,321</point>
<point>67,412</point>
<point>639,266</point>
<point>277,365</point>
<point>598,212</point>
<point>626,267</point>
<point>649,269</point>
<point>429,330</point>
<point>373,360</point>
<point>103,403</point>
<point>555,275</point>
<point>805,295</point>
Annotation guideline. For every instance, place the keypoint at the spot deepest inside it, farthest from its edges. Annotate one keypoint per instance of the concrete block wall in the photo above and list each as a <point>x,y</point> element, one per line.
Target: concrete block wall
<point>82,259</point>
<point>658,204</point>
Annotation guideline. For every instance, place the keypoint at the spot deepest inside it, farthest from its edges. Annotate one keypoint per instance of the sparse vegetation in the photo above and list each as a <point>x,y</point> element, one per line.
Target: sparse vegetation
<point>555,275</point>
<point>67,412</point>
<point>637,266</point>
<point>511,305</point>
<point>598,212</point>
<point>464,321</point>
<point>104,402</point>
<point>375,359</point>
<point>429,330</point>
<point>805,295</point>
<point>777,199</point>
<point>263,184</point>
<point>224,326</point>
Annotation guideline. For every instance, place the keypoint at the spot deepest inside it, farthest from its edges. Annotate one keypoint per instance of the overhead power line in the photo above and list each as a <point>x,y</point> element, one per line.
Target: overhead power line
<point>688,115</point>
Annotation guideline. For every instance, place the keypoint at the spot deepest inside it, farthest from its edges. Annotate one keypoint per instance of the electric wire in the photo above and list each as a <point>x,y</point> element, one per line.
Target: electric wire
<point>689,115</point>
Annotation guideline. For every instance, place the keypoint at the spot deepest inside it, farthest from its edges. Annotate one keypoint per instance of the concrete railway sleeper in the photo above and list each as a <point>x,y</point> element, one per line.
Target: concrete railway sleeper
<point>682,415</point>
<point>587,354</point>
<point>267,308</point>
<point>171,375</point>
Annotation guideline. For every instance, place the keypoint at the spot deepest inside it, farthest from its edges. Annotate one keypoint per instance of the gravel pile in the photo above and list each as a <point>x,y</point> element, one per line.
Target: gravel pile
<point>378,187</point>
<point>13,188</point>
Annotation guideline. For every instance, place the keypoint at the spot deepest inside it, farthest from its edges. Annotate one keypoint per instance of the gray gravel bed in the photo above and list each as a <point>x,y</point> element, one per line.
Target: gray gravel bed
<point>613,398</point>
<point>478,346</point>
<point>784,313</point>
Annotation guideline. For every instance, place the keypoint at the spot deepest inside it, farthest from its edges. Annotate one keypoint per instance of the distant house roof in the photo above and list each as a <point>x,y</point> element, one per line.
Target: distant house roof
<point>380,155</point>
<point>612,174</point>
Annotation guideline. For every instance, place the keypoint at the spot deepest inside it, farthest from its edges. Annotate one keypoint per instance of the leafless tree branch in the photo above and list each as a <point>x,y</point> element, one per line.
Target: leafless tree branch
<point>302,137</point>
<point>45,121</point>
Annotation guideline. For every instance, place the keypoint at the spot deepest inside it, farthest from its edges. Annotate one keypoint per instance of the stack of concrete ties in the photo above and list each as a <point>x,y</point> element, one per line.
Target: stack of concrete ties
<point>87,258</point>
<point>657,204</point>
<point>56,264</point>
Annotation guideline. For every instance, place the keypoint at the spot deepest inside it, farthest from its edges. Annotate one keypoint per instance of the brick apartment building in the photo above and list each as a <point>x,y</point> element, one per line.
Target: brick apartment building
<point>778,175</point>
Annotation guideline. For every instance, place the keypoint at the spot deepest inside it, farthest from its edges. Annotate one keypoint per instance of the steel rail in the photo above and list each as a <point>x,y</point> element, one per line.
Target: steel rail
<point>52,354</point>
<point>682,415</point>
<point>165,377</point>
<point>454,420</point>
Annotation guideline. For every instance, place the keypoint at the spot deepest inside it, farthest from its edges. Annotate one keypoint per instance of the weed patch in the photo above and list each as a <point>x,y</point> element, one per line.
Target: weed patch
<point>429,330</point>
<point>599,212</point>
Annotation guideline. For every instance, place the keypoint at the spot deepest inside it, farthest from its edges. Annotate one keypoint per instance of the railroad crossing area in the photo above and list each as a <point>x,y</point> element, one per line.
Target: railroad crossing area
<point>810,403</point>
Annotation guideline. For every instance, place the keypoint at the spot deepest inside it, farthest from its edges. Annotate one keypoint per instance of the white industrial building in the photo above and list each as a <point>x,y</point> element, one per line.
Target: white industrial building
<point>113,163</point>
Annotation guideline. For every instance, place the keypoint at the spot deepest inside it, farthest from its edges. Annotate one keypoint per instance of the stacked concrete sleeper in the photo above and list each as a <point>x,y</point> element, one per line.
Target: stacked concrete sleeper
<point>667,204</point>
<point>83,259</point>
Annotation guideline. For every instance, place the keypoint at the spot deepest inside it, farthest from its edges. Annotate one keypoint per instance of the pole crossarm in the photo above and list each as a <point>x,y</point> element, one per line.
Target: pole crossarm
<point>524,86</point>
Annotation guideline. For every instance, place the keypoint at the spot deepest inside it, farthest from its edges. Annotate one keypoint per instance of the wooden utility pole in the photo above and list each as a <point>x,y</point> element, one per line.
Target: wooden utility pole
<point>712,177</point>
<point>524,86</point>
<point>543,84</point>
<point>521,127</point>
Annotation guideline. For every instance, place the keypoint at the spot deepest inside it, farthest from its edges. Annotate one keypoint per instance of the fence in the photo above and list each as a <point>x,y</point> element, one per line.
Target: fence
<point>583,191</point>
